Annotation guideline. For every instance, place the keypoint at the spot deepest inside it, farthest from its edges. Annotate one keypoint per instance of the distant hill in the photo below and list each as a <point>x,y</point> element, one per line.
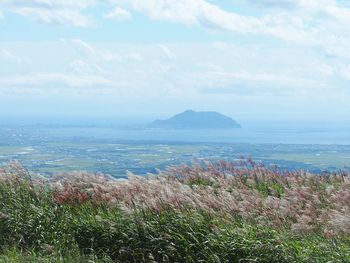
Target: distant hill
<point>197,120</point>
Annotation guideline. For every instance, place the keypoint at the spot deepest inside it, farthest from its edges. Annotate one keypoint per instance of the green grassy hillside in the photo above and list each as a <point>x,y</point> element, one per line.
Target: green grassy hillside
<point>221,212</point>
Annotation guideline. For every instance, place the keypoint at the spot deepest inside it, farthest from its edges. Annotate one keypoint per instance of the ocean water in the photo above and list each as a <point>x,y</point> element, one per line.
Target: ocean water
<point>253,131</point>
<point>285,133</point>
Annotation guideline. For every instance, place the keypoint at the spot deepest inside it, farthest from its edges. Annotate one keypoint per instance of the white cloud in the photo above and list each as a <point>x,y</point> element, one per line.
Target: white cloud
<point>184,67</point>
<point>62,16</point>
<point>118,14</point>
<point>102,55</point>
<point>83,46</point>
<point>60,80</point>
<point>323,10</point>
<point>167,52</point>
<point>88,50</point>
<point>134,56</point>
<point>83,68</point>
<point>211,16</point>
<point>247,83</point>
<point>7,55</point>
<point>306,22</point>
<point>80,67</point>
<point>175,73</point>
<point>63,12</point>
<point>49,3</point>
<point>193,12</point>
<point>345,72</point>
<point>273,3</point>
<point>110,56</point>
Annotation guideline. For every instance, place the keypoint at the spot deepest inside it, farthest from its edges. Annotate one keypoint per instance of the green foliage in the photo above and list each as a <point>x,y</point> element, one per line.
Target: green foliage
<point>270,188</point>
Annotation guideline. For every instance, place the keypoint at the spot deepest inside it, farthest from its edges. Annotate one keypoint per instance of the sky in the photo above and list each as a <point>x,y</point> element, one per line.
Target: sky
<point>154,58</point>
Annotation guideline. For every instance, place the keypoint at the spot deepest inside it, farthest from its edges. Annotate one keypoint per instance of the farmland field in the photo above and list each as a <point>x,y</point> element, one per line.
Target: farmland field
<point>47,151</point>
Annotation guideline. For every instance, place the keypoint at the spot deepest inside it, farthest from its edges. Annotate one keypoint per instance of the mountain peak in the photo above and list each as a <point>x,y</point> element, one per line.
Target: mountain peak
<point>191,119</point>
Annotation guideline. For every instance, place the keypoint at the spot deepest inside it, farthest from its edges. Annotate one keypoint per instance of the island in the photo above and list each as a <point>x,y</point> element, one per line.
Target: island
<point>197,120</point>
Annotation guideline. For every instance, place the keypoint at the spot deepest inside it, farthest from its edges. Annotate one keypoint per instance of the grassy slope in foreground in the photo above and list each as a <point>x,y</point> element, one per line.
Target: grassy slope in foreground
<point>222,212</point>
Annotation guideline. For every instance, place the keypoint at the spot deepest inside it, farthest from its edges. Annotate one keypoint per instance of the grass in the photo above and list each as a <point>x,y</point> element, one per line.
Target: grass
<point>221,212</point>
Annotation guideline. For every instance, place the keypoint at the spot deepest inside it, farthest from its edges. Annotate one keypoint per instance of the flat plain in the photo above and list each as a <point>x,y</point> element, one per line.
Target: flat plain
<point>45,152</point>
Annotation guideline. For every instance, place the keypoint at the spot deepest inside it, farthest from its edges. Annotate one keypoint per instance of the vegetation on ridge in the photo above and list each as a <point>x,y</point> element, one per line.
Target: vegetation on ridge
<point>215,212</point>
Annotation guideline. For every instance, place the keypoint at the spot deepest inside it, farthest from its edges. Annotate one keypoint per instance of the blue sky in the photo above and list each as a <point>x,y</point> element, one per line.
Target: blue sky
<point>153,58</point>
